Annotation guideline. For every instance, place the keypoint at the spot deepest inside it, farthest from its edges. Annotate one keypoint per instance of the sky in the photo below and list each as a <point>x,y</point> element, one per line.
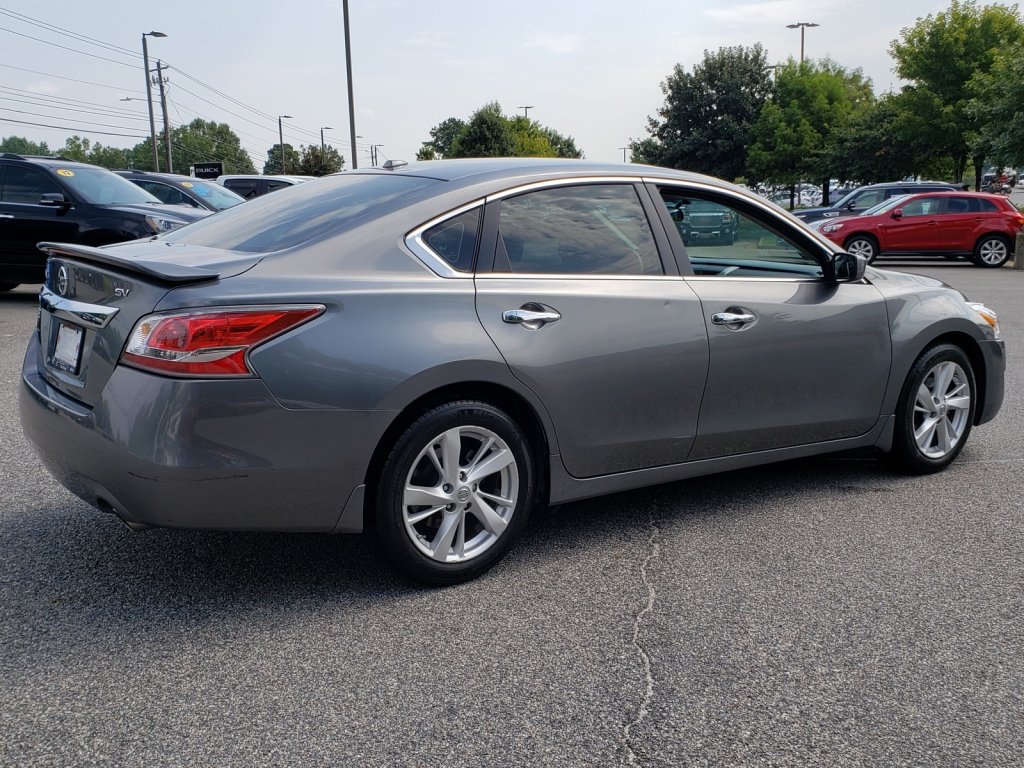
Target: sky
<point>591,70</point>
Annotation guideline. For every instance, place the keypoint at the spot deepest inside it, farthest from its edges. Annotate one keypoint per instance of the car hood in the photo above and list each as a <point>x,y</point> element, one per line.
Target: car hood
<point>805,212</point>
<point>171,212</point>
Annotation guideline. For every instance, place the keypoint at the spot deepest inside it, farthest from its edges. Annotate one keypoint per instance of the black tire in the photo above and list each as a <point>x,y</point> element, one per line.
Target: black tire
<point>864,245</point>
<point>4,287</point>
<point>907,452</point>
<point>407,533</point>
<point>992,251</point>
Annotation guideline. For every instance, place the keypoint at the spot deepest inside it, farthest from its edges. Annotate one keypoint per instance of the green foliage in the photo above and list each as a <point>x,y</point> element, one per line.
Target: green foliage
<point>22,146</point>
<point>707,117</point>
<point>998,106</point>
<point>489,133</point>
<point>273,163</point>
<point>201,141</point>
<point>795,136</point>
<point>315,161</point>
<point>941,54</point>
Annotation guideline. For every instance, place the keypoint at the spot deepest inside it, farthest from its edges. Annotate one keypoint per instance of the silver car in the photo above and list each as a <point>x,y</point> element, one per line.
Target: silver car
<point>433,350</point>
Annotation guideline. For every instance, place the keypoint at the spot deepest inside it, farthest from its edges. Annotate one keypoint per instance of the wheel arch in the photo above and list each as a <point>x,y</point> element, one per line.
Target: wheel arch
<point>518,408</point>
<point>869,235</point>
<point>970,346</point>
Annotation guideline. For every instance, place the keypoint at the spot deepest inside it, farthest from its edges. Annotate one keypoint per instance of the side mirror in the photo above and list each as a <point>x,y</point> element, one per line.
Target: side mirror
<point>897,214</point>
<point>848,267</point>
<point>53,199</point>
<point>851,205</point>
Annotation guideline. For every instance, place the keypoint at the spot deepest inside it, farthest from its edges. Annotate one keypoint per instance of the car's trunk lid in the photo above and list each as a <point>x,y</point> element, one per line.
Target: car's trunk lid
<point>93,297</point>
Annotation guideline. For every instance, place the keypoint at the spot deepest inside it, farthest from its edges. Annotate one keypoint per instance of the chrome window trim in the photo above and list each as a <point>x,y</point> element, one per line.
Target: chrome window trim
<point>742,278</point>
<point>571,181</point>
<point>568,276</point>
<point>415,243</point>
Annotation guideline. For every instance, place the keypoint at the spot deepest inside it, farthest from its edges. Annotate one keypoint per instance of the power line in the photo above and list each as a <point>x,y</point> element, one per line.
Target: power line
<point>66,48</point>
<point>67,32</point>
<point>70,109</point>
<point>72,79</point>
<point>71,128</point>
<point>41,114</point>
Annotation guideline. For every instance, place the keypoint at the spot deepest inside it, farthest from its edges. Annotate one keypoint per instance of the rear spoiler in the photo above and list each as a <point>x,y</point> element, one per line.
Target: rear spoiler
<point>165,271</point>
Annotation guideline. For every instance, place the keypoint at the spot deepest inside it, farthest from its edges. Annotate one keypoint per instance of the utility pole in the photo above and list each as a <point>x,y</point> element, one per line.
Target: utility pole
<point>373,153</point>
<point>167,123</point>
<point>351,98</point>
<point>280,139</point>
<point>149,95</point>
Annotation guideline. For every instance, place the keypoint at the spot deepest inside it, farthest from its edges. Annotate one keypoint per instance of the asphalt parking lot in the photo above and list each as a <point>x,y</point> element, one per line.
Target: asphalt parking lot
<point>823,612</point>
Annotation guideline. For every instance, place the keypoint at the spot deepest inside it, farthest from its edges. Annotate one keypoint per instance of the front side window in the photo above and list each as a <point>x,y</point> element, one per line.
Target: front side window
<point>723,240</point>
<point>591,229</point>
<point>868,199</point>
<point>922,206</point>
<point>25,185</point>
<point>166,194</point>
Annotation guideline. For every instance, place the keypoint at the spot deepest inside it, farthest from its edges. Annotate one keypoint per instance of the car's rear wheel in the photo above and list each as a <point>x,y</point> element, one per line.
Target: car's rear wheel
<point>992,251</point>
<point>8,286</point>
<point>862,245</point>
<point>454,493</point>
<point>935,410</point>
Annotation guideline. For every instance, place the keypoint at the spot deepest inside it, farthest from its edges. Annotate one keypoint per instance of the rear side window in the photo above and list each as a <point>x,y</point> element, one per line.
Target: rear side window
<point>25,185</point>
<point>594,229</point>
<point>244,187</point>
<point>312,211</point>
<point>454,239</point>
<point>986,206</point>
<point>275,184</point>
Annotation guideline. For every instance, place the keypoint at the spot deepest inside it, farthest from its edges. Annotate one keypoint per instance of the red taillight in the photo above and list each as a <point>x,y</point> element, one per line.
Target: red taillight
<point>209,342</point>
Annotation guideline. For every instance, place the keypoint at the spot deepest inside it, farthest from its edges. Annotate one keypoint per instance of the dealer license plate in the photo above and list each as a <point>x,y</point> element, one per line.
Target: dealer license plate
<point>68,348</point>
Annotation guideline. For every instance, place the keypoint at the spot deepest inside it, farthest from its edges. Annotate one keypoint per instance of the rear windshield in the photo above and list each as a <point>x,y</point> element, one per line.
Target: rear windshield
<point>299,214</point>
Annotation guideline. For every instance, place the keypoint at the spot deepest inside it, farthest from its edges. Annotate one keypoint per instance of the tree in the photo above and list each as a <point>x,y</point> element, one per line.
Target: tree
<point>941,54</point>
<point>489,133</point>
<point>706,120</point>
<point>273,163</point>
<point>315,161</point>
<point>998,106</point>
<point>19,145</point>
<point>796,133</point>
<point>201,141</point>
<point>442,136</point>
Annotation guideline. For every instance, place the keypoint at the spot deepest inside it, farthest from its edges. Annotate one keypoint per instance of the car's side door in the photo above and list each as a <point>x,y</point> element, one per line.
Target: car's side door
<point>24,221</point>
<point>795,358</point>
<point>573,290</point>
<point>913,227</point>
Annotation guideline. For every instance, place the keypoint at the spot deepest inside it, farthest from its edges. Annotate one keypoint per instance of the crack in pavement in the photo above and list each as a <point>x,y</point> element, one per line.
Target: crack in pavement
<point>653,550</point>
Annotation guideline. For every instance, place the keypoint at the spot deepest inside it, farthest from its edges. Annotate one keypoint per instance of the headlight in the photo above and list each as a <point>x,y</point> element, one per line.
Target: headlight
<point>159,226</point>
<point>987,315</point>
<point>835,227</point>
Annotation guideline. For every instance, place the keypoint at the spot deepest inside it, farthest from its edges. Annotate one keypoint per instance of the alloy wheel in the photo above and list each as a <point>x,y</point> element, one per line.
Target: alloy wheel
<point>993,252</point>
<point>460,493</point>
<point>941,409</point>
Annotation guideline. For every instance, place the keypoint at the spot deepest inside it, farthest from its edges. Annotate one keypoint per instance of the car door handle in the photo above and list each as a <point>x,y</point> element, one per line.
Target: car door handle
<point>531,318</point>
<point>733,318</point>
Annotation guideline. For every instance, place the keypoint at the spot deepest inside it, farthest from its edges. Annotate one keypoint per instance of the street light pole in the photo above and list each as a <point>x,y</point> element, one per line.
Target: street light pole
<point>149,96</point>
<point>351,98</point>
<point>802,26</point>
<point>280,139</point>
<point>526,110</point>
<point>323,146</point>
<point>623,153</point>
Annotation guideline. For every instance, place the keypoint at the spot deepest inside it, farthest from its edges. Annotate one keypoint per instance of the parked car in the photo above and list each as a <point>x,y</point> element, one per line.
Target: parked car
<point>971,224</point>
<point>699,220</point>
<point>53,198</point>
<point>176,189</point>
<point>253,185</point>
<point>433,350</point>
<point>868,196</point>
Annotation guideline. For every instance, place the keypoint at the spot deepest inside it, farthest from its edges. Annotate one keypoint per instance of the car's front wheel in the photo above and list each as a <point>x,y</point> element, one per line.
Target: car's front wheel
<point>454,493</point>
<point>862,245</point>
<point>935,410</point>
<point>992,251</point>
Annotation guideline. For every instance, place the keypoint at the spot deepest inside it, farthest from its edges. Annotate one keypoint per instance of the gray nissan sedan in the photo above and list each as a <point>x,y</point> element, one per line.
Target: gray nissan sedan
<point>432,350</point>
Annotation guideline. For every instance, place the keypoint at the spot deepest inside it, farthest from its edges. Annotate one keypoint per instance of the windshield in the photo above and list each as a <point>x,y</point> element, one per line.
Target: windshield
<point>102,187</point>
<point>888,205</point>
<point>214,194</point>
<point>301,213</point>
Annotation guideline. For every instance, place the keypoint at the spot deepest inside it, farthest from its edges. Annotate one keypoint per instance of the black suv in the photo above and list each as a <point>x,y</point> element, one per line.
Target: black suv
<point>176,189</point>
<point>52,198</point>
<point>862,198</point>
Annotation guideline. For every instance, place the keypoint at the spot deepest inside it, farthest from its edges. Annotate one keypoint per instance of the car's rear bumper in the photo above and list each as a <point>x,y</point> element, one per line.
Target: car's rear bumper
<point>994,353</point>
<point>201,454</point>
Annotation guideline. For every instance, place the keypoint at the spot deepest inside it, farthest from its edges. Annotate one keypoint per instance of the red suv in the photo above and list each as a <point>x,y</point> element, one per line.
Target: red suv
<point>979,226</point>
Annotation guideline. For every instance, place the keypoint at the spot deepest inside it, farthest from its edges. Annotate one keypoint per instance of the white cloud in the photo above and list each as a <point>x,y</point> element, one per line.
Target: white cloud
<point>556,43</point>
<point>43,87</point>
